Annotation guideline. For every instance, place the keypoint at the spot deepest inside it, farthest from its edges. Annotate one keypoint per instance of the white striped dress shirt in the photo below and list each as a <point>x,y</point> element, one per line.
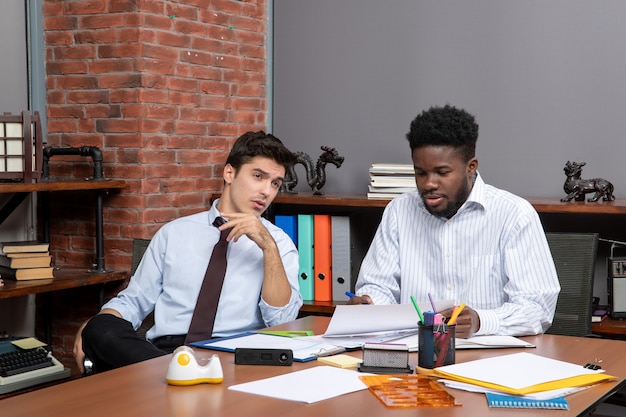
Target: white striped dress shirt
<point>492,255</point>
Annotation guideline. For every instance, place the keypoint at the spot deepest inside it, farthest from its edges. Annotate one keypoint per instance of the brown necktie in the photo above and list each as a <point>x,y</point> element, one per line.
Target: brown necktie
<point>201,327</point>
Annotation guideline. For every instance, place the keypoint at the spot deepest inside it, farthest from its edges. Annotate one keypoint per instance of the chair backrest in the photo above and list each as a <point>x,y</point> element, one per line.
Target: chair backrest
<point>574,256</point>
<point>139,248</point>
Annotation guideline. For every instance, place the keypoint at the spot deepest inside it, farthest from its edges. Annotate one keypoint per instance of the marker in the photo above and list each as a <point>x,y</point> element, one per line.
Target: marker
<point>419,313</point>
<point>455,314</point>
<point>350,294</point>
<point>432,303</point>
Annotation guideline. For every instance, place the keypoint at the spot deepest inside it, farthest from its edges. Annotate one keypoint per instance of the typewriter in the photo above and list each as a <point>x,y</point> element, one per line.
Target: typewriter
<point>24,367</point>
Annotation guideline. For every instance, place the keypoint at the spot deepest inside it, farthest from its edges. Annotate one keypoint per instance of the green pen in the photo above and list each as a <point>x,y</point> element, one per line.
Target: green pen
<point>419,313</point>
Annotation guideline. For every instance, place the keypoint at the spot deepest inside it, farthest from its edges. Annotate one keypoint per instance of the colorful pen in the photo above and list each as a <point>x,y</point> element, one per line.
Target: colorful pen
<point>419,313</point>
<point>432,303</point>
<point>455,314</point>
<point>350,294</point>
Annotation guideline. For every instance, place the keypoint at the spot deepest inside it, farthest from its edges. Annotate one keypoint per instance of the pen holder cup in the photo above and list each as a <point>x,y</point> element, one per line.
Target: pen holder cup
<point>436,345</point>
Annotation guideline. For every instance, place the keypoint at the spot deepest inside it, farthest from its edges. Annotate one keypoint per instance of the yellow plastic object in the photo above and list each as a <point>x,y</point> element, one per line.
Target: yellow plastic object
<point>408,391</point>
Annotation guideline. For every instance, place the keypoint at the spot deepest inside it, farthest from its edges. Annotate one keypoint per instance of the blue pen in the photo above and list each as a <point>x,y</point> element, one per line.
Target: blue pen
<point>350,294</point>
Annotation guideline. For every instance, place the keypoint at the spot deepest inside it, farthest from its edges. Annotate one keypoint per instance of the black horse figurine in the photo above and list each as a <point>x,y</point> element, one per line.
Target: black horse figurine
<point>316,176</point>
<point>575,188</point>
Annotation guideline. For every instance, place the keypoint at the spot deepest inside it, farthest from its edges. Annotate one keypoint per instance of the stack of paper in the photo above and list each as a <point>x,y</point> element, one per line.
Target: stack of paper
<point>390,180</point>
<point>521,374</point>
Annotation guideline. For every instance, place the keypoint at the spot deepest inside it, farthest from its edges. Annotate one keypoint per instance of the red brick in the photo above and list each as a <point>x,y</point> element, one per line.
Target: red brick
<point>186,200</point>
<point>95,36</point>
<point>102,66</point>
<point>158,215</point>
<point>60,23</point>
<point>110,20</point>
<point>85,97</point>
<point>86,7</point>
<point>127,6</point>
<point>185,128</point>
<point>59,38</point>
<point>124,50</point>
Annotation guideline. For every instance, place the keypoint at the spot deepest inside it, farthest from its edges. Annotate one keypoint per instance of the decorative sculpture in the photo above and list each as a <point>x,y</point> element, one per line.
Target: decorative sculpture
<point>576,188</point>
<point>316,177</point>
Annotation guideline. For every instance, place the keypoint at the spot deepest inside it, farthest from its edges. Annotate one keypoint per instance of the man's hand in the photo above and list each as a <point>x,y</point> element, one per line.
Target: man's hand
<point>467,322</point>
<point>360,299</point>
<point>79,355</point>
<point>247,224</point>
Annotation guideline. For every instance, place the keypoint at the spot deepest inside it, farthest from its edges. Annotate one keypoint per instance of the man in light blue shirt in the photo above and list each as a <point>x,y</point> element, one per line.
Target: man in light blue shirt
<point>260,285</point>
<point>457,238</point>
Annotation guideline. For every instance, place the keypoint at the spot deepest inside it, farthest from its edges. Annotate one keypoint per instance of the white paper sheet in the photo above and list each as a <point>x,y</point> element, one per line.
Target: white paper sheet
<point>517,370</point>
<point>363,319</point>
<point>308,386</point>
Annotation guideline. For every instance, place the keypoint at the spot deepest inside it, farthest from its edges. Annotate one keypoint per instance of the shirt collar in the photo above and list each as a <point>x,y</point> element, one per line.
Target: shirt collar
<point>477,195</point>
<point>214,212</point>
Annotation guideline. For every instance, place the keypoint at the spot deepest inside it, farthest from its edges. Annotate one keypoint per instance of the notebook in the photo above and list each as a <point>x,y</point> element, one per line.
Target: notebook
<point>512,401</point>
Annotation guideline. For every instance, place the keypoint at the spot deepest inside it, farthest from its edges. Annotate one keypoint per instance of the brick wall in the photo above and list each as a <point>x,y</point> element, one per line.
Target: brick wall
<point>162,88</point>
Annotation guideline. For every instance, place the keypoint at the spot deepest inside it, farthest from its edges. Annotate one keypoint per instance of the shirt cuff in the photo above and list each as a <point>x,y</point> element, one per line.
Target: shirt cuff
<point>489,322</point>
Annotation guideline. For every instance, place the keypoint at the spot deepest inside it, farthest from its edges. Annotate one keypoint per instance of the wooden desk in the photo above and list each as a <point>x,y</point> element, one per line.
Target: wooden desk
<point>609,327</point>
<point>141,390</point>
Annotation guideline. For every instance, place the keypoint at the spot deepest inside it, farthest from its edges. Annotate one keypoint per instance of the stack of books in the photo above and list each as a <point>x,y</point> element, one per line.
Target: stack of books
<point>25,260</point>
<point>390,180</point>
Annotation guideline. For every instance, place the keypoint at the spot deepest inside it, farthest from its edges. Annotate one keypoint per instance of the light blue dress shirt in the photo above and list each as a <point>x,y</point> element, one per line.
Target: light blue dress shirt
<point>169,277</point>
<point>492,255</point>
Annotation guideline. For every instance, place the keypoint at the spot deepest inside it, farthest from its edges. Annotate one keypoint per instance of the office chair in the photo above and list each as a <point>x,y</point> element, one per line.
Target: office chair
<point>139,248</point>
<point>574,256</point>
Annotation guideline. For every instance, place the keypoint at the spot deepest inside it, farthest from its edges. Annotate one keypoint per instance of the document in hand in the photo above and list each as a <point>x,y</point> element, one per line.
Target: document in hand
<point>521,373</point>
<point>364,319</point>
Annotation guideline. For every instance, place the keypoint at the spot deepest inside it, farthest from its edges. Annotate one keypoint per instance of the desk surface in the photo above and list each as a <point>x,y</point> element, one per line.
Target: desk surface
<point>141,390</point>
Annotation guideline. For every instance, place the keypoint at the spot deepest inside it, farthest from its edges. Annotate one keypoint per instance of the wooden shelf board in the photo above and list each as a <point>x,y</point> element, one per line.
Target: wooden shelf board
<point>64,279</point>
<point>9,187</point>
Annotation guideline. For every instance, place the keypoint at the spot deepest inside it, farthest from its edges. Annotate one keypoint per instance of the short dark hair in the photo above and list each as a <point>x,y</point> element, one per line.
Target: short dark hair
<point>445,126</point>
<point>252,144</point>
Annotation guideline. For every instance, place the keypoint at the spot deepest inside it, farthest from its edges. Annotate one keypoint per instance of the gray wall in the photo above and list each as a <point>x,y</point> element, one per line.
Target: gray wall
<point>545,80</point>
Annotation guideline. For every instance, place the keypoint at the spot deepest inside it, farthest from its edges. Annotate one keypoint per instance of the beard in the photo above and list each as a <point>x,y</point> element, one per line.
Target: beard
<point>454,204</point>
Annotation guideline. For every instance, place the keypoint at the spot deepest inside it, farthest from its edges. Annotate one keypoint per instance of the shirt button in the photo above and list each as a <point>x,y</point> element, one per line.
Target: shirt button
<point>448,254</point>
<point>449,287</point>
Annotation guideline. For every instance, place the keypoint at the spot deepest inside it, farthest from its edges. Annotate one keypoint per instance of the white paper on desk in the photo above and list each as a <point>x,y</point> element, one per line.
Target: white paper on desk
<point>486,342</point>
<point>308,386</point>
<point>364,319</point>
<point>356,342</point>
<point>517,371</point>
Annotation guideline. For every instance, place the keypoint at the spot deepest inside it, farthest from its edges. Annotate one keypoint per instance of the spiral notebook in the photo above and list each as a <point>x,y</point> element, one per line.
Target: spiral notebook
<point>512,401</point>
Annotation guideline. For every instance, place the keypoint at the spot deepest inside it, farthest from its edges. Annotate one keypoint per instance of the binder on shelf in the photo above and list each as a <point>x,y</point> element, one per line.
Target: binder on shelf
<point>341,252</point>
<point>322,257</point>
<point>289,224</point>
<point>305,252</point>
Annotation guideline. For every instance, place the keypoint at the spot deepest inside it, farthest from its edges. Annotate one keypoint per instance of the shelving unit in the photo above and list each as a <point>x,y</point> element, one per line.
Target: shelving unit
<point>64,278</point>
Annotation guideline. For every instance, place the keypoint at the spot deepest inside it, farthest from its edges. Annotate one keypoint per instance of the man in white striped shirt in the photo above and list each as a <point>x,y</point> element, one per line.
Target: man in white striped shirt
<point>457,238</point>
